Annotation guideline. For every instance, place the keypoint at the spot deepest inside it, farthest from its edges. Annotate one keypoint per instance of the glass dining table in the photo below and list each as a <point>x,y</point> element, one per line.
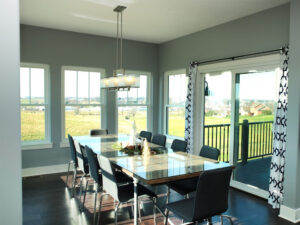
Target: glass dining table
<point>160,168</point>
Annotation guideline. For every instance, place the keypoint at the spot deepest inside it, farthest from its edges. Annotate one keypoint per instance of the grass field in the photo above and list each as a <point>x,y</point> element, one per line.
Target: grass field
<point>176,121</point>
<point>81,124</point>
<point>33,123</point>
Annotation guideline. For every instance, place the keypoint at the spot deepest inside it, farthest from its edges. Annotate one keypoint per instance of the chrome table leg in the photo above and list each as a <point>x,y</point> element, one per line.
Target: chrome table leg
<point>135,213</point>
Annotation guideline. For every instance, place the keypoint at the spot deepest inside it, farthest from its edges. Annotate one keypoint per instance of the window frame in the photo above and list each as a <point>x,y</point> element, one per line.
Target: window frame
<point>238,66</point>
<point>44,143</point>
<point>64,141</point>
<point>166,101</point>
<point>149,99</point>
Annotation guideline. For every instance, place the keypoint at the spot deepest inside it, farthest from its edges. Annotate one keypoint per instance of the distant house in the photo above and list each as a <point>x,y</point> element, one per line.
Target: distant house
<point>258,108</point>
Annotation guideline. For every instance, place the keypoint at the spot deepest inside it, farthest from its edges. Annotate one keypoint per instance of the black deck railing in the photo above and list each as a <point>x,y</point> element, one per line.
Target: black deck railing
<point>255,139</point>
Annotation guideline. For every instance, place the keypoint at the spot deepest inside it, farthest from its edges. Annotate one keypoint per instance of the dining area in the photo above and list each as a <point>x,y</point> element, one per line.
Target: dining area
<point>150,112</point>
<point>132,172</point>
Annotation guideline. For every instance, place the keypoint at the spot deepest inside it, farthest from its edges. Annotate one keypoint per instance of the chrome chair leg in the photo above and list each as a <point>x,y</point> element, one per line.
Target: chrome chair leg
<point>74,180</point>
<point>154,209</point>
<point>80,187</point>
<point>139,210</point>
<point>116,213</point>
<point>100,207</point>
<point>84,195</point>
<point>227,217</point>
<point>167,217</point>
<point>71,162</point>
<point>168,195</point>
<point>95,201</point>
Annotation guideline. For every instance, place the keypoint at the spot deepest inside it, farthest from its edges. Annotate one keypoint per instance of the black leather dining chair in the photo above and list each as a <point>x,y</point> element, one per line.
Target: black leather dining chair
<point>159,139</point>
<point>211,198</point>
<point>178,145</point>
<point>209,152</point>
<point>185,187</point>
<point>146,134</point>
<point>73,161</point>
<point>98,132</point>
<point>95,171</point>
<point>83,165</point>
<point>121,193</point>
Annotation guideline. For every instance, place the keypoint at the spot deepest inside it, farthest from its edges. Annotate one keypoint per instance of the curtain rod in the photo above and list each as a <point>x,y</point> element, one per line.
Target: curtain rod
<point>239,56</point>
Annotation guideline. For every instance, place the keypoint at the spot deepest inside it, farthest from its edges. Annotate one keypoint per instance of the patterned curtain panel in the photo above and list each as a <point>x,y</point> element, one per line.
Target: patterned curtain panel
<point>279,137</point>
<point>190,108</point>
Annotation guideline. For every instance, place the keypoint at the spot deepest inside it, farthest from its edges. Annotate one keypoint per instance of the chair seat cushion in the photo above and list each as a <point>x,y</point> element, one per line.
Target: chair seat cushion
<point>126,192</point>
<point>184,187</point>
<point>183,208</point>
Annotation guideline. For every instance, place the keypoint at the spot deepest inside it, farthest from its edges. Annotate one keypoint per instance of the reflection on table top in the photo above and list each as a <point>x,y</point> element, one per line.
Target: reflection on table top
<point>152,169</point>
<point>162,168</point>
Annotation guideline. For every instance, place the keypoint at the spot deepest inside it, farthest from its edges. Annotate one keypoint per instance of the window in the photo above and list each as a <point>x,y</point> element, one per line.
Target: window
<point>175,96</point>
<point>82,100</point>
<point>134,105</point>
<point>34,104</point>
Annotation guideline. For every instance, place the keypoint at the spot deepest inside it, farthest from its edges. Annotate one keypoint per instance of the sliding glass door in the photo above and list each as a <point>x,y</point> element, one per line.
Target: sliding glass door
<point>236,114</point>
<point>255,105</point>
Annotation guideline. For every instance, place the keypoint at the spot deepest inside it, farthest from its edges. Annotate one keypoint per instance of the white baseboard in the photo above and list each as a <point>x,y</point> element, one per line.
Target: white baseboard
<point>35,171</point>
<point>287,213</point>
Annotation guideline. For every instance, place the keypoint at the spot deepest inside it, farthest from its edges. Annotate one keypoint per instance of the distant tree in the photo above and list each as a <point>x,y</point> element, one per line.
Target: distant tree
<point>267,112</point>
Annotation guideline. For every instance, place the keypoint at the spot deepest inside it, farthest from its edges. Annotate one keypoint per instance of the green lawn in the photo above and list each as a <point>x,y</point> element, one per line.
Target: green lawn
<point>125,120</point>
<point>33,125</point>
<point>81,123</point>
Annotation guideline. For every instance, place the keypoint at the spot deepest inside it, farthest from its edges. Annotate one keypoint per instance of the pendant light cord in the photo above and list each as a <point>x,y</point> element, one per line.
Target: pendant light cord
<point>121,47</point>
<point>117,50</point>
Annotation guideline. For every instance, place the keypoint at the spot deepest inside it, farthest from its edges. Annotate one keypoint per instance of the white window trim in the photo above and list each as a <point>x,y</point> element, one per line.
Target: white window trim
<point>46,143</point>
<point>64,141</point>
<point>166,100</point>
<point>149,100</point>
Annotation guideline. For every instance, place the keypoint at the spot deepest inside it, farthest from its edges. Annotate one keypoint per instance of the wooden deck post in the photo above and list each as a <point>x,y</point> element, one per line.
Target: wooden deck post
<point>245,141</point>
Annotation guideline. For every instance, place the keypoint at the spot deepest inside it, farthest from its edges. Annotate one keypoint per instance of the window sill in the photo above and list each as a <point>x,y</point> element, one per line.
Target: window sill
<point>64,144</point>
<point>36,145</point>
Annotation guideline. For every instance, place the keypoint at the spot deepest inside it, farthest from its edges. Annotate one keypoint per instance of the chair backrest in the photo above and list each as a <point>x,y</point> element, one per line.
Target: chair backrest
<point>97,132</point>
<point>209,152</point>
<point>146,134</point>
<point>178,145</point>
<point>73,150</point>
<point>211,196</point>
<point>159,139</point>
<point>94,165</point>
<point>81,157</point>
<point>109,182</point>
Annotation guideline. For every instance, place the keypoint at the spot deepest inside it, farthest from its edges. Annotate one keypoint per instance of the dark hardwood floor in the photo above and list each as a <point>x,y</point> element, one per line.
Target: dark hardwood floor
<point>46,201</point>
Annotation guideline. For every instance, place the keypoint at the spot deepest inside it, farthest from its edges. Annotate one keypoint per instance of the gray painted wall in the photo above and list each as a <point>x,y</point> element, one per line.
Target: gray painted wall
<point>292,174</point>
<point>262,31</point>
<point>266,30</point>
<point>57,48</point>
<point>10,160</point>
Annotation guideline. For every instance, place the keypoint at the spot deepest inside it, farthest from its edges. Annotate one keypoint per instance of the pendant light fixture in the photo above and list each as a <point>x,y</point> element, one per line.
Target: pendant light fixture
<point>119,80</point>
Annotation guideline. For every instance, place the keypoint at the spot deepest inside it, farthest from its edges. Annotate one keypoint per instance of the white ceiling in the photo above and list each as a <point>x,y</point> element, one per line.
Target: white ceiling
<point>153,21</point>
